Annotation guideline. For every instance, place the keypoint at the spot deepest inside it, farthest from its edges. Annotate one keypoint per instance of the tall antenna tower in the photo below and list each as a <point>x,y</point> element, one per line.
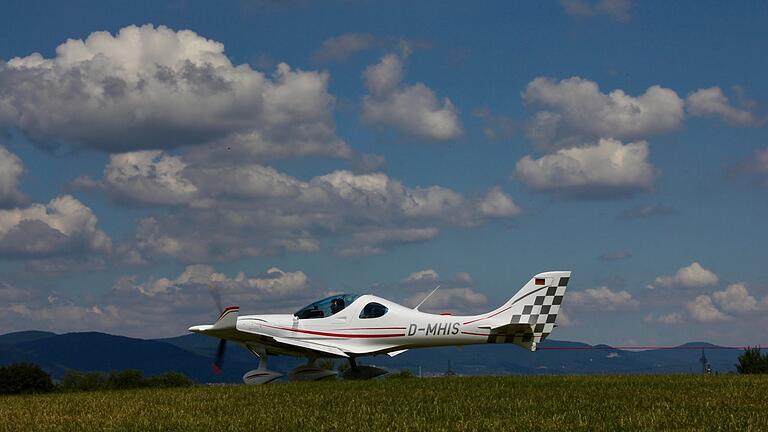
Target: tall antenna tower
<point>706,368</point>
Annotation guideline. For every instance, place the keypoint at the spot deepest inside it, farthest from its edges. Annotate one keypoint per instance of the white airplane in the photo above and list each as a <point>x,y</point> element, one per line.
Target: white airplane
<point>350,325</point>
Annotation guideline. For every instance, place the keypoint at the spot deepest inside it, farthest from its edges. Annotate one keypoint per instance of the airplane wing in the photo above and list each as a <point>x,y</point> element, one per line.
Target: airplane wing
<point>326,349</point>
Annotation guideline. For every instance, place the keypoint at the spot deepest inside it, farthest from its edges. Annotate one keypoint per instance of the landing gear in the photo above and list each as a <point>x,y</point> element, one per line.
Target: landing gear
<point>260,375</point>
<point>356,372</point>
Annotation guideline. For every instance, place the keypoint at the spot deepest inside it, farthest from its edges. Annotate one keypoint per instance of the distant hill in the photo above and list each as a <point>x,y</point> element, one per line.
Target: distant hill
<point>192,355</point>
<point>24,336</point>
<point>103,352</point>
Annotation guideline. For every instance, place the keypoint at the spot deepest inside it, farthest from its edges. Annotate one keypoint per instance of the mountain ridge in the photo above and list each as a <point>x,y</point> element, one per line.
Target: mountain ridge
<point>192,355</point>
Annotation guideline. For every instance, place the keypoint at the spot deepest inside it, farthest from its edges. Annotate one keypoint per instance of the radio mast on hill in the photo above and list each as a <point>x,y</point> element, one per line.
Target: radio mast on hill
<point>706,368</point>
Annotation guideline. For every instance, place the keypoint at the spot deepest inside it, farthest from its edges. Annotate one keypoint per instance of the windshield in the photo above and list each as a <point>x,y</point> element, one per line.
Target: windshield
<point>327,306</point>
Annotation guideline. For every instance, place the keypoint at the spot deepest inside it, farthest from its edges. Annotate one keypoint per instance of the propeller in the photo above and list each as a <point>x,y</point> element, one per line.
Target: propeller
<point>218,361</point>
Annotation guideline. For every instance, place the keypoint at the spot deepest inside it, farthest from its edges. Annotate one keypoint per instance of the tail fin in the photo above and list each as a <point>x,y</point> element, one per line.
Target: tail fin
<point>530,315</point>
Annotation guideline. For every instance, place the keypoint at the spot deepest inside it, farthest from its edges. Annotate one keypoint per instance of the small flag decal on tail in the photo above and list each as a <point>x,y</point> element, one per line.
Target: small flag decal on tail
<point>539,281</point>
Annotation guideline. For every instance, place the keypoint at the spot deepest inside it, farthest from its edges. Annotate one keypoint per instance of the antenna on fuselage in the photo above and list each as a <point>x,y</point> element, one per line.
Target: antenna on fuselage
<point>425,298</point>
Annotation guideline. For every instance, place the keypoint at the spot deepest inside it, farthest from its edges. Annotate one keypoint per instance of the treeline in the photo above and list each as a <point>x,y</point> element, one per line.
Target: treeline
<point>19,378</point>
<point>752,361</point>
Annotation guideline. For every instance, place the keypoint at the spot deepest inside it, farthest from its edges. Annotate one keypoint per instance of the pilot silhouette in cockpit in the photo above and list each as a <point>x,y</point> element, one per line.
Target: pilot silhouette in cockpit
<point>337,305</point>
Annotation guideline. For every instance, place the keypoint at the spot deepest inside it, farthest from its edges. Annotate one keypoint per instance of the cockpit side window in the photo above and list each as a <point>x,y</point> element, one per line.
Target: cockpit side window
<point>327,306</point>
<point>373,310</point>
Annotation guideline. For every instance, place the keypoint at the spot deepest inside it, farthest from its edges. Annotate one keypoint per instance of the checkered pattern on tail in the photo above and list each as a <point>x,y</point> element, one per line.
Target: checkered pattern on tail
<point>536,320</point>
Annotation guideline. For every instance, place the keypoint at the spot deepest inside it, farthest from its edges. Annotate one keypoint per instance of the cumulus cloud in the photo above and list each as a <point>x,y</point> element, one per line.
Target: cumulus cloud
<point>411,109</point>
<point>736,299</point>
<point>59,317</point>
<point>450,300</point>
<point>605,170</point>
<point>703,310</point>
<point>11,169</point>
<point>340,48</point>
<point>456,294</point>
<point>63,226</point>
<point>152,87</point>
<point>756,168</point>
<point>615,9</point>
<point>422,275</point>
<point>273,284</point>
<point>225,212</point>
<point>671,318</point>
<point>498,204</point>
<point>692,276</point>
<point>711,102</point>
<point>577,111</point>
<point>149,177</point>
<point>603,299</point>
<point>157,307</point>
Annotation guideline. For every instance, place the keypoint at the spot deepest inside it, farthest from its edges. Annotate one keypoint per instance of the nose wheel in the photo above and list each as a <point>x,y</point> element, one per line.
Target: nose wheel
<point>260,375</point>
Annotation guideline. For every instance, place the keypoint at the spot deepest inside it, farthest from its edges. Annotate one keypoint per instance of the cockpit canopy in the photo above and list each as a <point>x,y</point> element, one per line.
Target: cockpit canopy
<point>327,306</point>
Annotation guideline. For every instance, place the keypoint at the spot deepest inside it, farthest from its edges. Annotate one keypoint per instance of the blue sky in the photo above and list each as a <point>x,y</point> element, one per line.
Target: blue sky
<point>284,150</point>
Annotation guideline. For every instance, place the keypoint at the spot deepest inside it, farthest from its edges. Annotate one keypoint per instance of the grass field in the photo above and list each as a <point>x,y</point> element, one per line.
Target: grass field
<point>482,403</point>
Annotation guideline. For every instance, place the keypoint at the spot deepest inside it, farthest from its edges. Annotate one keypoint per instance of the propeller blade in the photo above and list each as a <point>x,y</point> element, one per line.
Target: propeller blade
<point>216,295</point>
<point>219,360</point>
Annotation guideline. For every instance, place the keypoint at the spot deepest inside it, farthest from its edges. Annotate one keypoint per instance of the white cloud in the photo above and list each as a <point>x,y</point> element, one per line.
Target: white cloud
<point>275,283</point>
<point>616,9</point>
<point>756,167</point>
<point>692,276</point>
<point>151,87</point>
<point>148,177</point>
<point>580,112</point>
<point>62,226</point>
<point>340,48</point>
<point>59,318</point>
<point>736,299</point>
<point>564,319</point>
<point>11,169</point>
<point>428,275</point>
<point>498,204</point>
<point>703,310</point>
<point>606,169</point>
<point>711,102</point>
<point>454,299</point>
<point>671,318</point>
<point>603,299</point>
<point>157,307</point>
<point>250,209</point>
<point>412,109</point>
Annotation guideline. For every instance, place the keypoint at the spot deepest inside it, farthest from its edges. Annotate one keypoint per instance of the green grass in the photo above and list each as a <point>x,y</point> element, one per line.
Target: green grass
<point>485,403</point>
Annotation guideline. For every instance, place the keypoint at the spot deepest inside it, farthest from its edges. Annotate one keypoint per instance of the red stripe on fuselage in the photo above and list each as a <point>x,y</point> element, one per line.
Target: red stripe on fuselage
<point>339,335</point>
<point>475,334</point>
<point>489,316</point>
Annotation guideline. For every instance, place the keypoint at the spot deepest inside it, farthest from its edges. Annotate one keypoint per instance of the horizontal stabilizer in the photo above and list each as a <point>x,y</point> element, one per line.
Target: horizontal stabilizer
<point>394,353</point>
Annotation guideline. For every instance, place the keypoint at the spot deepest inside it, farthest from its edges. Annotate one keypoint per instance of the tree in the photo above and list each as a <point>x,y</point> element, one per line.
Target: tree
<point>169,379</point>
<point>82,381</point>
<point>751,361</point>
<point>126,379</point>
<point>24,378</point>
